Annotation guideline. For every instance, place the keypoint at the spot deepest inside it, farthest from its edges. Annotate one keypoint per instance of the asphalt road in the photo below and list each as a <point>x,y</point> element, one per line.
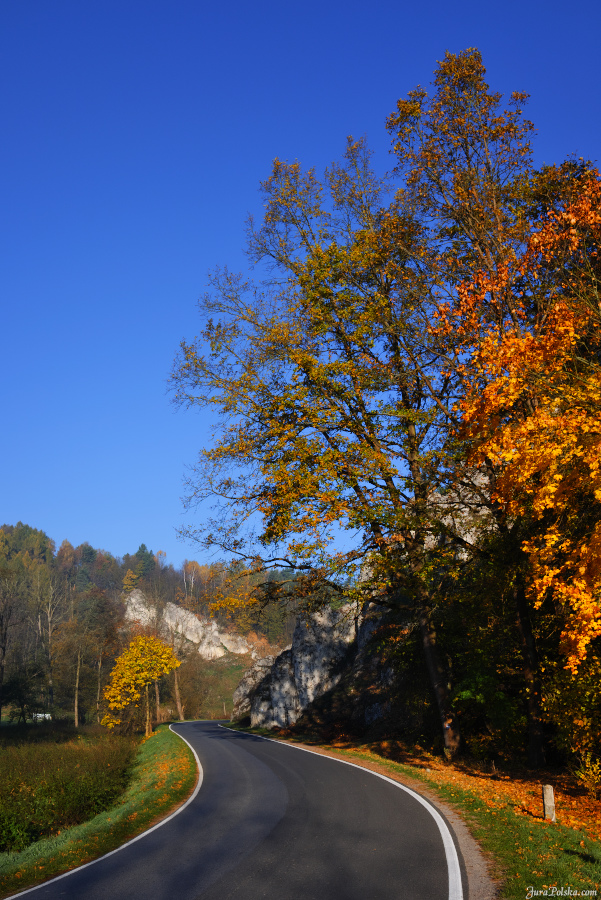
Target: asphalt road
<point>272,821</point>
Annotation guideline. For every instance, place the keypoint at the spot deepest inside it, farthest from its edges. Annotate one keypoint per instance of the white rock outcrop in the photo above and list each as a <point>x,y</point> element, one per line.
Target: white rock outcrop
<point>251,679</point>
<point>178,624</point>
<point>274,692</point>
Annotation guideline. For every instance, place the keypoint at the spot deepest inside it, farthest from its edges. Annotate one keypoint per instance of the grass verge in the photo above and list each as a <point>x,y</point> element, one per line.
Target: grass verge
<point>527,853</point>
<point>54,783</point>
<point>163,776</point>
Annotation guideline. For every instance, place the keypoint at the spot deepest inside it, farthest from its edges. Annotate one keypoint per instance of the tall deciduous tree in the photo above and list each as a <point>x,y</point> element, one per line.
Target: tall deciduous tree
<point>466,164</point>
<point>336,395</point>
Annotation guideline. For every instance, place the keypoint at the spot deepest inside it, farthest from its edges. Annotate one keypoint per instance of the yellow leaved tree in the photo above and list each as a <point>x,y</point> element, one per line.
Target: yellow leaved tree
<point>130,581</point>
<point>145,659</point>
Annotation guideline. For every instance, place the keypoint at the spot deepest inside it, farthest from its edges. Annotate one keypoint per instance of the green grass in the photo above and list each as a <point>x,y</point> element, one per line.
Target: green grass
<point>526,852</point>
<point>163,775</point>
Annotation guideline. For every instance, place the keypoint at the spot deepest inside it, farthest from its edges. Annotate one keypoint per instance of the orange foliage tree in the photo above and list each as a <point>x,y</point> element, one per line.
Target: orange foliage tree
<point>130,581</point>
<point>532,409</point>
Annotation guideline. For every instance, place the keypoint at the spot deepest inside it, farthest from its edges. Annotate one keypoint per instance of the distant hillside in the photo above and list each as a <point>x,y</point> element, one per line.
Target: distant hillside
<point>64,619</point>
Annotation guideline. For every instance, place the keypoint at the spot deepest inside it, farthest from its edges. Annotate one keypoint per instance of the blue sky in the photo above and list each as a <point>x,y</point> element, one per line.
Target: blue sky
<point>135,134</point>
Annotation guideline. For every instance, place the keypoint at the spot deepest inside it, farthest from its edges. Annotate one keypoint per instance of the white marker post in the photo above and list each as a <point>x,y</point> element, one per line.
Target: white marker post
<point>548,802</point>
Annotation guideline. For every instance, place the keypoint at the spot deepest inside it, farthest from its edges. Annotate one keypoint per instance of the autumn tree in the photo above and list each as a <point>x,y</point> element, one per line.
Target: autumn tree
<point>47,610</point>
<point>130,581</point>
<point>468,178</point>
<point>144,660</point>
<point>336,395</point>
<point>192,573</point>
<point>532,404</point>
<point>74,646</point>
<point>84,642</point>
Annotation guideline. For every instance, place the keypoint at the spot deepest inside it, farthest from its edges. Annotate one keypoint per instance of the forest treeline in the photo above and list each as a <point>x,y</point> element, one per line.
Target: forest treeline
<point>409,392</point>
<point>62,620</point>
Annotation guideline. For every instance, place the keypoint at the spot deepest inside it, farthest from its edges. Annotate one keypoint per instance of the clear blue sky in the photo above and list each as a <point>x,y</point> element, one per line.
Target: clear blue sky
<point>134,135</point>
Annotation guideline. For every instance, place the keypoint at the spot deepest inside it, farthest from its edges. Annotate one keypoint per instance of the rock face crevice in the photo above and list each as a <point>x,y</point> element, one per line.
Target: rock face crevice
<point>276,690</point>
<point>180,626</point>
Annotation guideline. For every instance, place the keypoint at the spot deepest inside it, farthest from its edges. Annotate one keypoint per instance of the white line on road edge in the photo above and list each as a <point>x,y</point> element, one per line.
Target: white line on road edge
<point>455,886</point>
<point>133,840</point>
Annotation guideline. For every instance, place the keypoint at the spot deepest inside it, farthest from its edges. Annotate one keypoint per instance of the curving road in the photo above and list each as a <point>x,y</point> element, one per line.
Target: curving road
<point>272,821</point>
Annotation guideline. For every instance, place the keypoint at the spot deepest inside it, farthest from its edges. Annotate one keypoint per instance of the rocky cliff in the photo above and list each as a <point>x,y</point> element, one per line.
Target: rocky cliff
<point>180,625</point>
<point>276,690</point>
<point>338,678</point>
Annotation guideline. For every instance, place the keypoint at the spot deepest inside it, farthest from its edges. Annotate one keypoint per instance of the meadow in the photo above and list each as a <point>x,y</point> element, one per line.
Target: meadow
<point>161,776</point>
<point>54,777</point>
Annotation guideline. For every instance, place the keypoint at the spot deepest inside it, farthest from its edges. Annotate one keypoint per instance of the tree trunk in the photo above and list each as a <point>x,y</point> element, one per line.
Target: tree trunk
<point>98,688</point>
<point>417,540</point>
<point>536,750</point>
<point>148,728</point>
<point>5,617</point>
<point>50,691</point>
<point>76,705</point>
<point>156,696</point>
<point>180,709</point>
<point>2,659</point>
<point>450,726</point>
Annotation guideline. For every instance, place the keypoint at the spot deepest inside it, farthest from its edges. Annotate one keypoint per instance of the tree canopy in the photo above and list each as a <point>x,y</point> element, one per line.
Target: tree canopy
<point>142,662</point>
<point>376,381</point>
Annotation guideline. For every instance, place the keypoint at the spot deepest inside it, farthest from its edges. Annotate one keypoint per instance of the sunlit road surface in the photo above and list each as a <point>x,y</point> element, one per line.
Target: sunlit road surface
<point>272,821</point>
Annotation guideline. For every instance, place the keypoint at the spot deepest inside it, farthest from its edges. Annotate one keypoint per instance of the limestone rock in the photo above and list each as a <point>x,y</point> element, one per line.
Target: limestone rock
<point>275,703</point>
<point>276,693</point>
<point>234,643</point>
<point>250,681</point>
<point>319,646</point>
<point>176,624</point>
